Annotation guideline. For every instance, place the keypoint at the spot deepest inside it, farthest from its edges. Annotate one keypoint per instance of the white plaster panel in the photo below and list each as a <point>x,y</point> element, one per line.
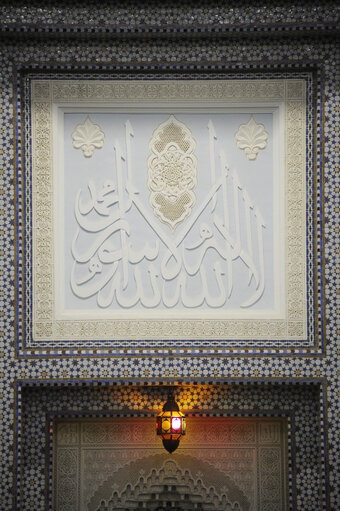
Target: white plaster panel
<point>250,275</point>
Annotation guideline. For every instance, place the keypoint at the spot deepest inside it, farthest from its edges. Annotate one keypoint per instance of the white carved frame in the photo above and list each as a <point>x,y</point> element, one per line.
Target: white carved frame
<point>288,97</point>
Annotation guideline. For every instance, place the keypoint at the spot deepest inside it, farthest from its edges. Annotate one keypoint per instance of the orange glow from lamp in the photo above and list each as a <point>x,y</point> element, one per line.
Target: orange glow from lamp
<point>171,424</point>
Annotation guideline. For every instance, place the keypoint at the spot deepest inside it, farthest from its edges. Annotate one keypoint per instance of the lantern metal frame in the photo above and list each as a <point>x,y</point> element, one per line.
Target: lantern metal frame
<point>171,424</point>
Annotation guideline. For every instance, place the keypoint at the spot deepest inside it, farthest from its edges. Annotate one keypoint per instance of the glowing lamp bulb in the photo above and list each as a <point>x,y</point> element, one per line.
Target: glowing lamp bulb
<point>176,423</point>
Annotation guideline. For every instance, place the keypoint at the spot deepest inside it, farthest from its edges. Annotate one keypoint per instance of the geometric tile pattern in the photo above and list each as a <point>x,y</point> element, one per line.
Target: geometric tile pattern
<point>130,18</point>
<point>151,39</point>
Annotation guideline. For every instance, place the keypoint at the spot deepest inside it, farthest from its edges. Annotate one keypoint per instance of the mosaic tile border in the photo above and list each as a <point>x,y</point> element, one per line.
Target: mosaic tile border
<point>201,18</point>
<point>178,348</point>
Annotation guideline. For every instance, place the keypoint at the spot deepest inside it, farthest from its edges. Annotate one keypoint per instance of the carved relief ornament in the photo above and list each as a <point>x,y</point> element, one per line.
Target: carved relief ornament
<point>88,137</point>
<point>172,172</point>
<point>46,326</point>
<point>251,138</point>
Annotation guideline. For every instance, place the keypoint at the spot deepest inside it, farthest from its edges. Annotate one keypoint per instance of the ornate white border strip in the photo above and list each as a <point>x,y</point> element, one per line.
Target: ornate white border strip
<point>47,93</point>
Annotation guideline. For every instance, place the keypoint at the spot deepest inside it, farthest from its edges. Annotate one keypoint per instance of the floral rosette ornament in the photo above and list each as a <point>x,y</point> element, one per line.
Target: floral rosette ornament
<point>88,137</point>
<point>172,172</point>
<point>251,138</point>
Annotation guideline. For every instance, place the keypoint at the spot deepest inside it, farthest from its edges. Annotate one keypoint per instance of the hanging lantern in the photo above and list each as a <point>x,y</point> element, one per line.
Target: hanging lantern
<point>171,424</point>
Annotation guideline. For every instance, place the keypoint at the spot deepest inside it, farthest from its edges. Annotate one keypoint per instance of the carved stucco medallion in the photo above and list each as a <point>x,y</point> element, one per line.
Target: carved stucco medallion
<point>172,172</point>
<point>88,137</point>
<point>251,137</point>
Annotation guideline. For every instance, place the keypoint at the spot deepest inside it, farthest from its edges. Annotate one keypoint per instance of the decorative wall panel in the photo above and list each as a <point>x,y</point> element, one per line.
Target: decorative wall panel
<point>160,227</point>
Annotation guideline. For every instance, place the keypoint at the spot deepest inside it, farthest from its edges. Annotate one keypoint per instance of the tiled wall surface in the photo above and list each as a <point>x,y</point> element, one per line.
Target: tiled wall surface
<point>46,38</point>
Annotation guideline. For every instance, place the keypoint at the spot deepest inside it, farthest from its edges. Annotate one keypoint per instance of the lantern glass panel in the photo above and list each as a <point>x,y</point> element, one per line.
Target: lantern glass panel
<point>176,423</point>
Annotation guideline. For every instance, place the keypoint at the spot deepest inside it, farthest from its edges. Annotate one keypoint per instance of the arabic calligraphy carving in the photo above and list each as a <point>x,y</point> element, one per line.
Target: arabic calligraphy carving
<point>251,137</point>
<point>172,172</point>
<point>88,137</point>
<point>292,326</point>
<point>169,271</point>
